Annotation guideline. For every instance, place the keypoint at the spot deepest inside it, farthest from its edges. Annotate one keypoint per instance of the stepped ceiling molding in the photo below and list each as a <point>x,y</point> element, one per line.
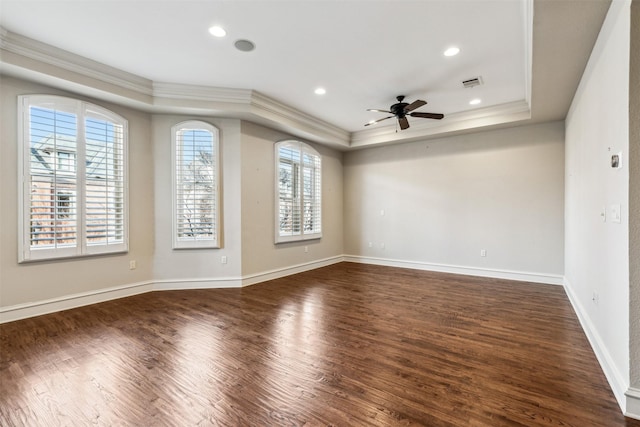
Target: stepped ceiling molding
<point>530,56</point>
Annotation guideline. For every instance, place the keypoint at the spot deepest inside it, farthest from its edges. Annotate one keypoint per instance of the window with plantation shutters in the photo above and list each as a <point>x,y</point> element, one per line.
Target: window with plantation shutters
<point>298,192</point>
<point>196,212</point>
<point>73,174</point>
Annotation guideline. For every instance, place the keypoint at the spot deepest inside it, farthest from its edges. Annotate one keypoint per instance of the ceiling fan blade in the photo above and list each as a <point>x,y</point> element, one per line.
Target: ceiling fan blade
<point>436,116</point>
<point>404,123</point>
<point>379,120</point>
<point>415,104</point>
<point>379,111</point>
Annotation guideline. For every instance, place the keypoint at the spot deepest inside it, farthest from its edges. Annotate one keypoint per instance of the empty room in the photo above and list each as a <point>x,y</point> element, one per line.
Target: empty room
<point>320,213</point>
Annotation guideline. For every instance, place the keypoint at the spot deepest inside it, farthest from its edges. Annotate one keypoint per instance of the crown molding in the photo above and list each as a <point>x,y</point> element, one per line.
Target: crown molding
<point>37,61</point>
<point>245,103</point>
<point>267,106</point>
<point>452,123</point>
<point>33,60</point>
<point>162,90</point>
<point>59,58</point>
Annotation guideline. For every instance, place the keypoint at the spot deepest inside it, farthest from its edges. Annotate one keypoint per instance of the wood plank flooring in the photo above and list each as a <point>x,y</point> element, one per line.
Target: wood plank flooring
<point>345,345</point>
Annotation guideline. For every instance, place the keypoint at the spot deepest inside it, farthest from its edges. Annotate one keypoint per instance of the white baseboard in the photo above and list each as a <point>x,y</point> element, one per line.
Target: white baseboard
<point>633,403</point>
<point>207,283</point>
<point>252,279</point>
<point>23,311</point>
<point>246,280</point>
<point>548,279</point>
<point>614,377</point>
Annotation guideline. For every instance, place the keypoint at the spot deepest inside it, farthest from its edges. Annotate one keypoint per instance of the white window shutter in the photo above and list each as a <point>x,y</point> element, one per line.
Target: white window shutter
<point>298,192</point>
<point>196,211</point>
<point>74,169</point>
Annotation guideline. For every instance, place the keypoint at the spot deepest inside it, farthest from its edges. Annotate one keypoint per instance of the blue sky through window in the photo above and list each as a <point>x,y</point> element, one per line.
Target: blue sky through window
<point>46,123</point>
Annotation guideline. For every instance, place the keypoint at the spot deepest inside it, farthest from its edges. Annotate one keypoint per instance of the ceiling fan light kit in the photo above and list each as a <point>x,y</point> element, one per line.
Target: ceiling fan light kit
<point>401,110</point>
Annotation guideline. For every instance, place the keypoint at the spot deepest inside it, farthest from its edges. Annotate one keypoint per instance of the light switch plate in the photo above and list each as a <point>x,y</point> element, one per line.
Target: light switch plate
<point>615,213</point>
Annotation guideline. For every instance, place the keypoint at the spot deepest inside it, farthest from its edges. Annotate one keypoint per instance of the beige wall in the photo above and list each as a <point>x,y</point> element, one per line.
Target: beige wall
<point>446,199</point>
<point>247,201</point>
<point>39,281</point>
<point>197,264</point>
<point>597,251</point>
<point>259,252</point>
<point>634,195</point>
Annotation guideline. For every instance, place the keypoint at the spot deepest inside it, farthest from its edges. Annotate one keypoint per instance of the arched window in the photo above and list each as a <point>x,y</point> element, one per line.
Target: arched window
<point>298,192</point>
<point>196,207</point>
<point>73,197</point>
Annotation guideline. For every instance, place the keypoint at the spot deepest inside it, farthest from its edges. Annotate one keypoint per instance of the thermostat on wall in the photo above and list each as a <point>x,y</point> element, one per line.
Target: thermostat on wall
<point>616,160</point>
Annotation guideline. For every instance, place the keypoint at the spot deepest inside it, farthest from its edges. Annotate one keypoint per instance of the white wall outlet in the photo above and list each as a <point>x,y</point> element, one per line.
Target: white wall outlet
<point>223,259</point>
<point>595,298</point>
<point>370,244</point>
<point>133,264</point>
<point>616,215</point>
<point>603,214</point>
<point>306,249</point>
<point>483,252</point>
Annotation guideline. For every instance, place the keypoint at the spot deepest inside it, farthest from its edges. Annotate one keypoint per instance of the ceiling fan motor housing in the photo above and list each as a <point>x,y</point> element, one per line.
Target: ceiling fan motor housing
<point>398,109</point>
<point>402,109</point>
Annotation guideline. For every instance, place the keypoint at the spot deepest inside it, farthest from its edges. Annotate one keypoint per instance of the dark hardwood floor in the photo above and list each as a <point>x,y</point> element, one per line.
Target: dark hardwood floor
<point>345,345</point>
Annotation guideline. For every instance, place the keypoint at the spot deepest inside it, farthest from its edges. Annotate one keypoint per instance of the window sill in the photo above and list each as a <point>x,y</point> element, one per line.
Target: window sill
<point>302,238</point>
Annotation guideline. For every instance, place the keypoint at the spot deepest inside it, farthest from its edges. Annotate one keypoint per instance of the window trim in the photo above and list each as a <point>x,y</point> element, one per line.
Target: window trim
<point>82,110</point>
<point>301,236</point>
<point>216,241</point>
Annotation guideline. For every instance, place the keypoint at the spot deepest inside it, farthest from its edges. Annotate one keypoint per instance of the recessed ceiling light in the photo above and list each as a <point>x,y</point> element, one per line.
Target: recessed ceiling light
<point>320,91</point>
<point>452,51</point>
<point>217,31</point>
<point>244,45</point>
<point>475,101</point>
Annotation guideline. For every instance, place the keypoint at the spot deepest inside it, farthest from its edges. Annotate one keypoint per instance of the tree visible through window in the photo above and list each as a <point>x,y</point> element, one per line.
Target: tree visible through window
<point>299,195</point>
<point>195,172</point>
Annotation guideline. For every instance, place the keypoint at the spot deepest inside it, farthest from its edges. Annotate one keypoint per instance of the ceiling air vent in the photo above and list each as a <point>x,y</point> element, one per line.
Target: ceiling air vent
<point>476,81</point>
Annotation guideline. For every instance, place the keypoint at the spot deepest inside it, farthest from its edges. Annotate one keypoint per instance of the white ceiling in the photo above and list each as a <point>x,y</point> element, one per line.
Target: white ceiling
<point>363,52</point>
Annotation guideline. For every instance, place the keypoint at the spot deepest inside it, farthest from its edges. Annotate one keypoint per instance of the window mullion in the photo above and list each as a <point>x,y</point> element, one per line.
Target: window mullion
<point>24,172</point>
<point>299,185</point>
<point>81,171</point>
